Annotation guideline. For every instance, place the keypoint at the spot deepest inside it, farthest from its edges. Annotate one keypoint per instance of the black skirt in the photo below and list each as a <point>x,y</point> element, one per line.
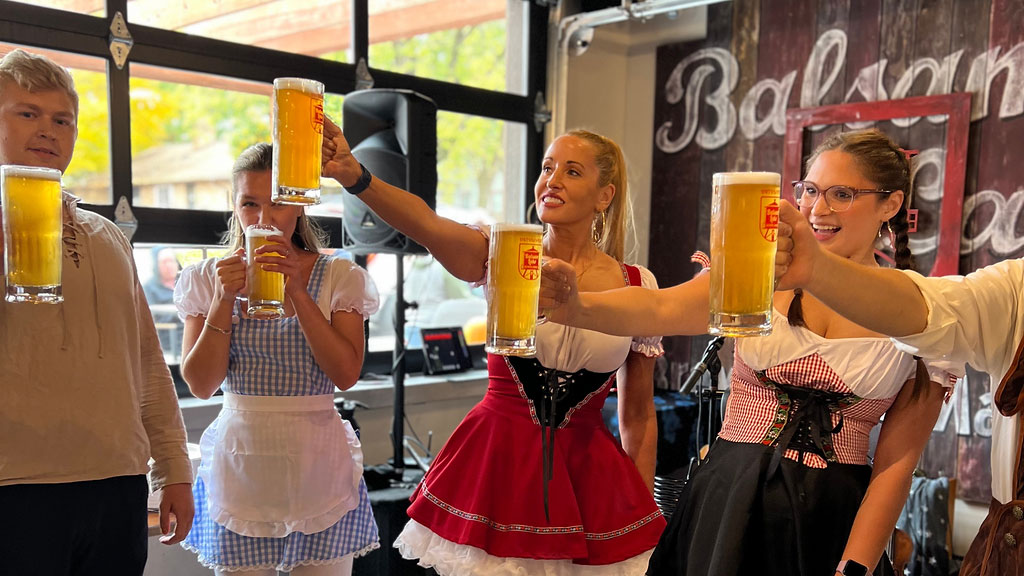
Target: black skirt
<point>734,519</point>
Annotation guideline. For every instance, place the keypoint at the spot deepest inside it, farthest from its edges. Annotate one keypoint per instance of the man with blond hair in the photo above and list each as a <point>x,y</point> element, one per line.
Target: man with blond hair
<point>85,396</point>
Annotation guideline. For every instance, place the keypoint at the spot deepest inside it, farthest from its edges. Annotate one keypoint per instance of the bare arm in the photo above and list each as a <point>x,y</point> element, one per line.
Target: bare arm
<point>880,299</point>
<point>632,311</point>
<point>638,425</point>
<point>907,427</point>
<point>337,345</point>
<point>204,350</point>
<point>460,249</point>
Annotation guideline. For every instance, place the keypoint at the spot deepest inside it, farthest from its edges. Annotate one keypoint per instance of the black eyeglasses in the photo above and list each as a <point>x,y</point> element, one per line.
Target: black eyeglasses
<point>838,198</point>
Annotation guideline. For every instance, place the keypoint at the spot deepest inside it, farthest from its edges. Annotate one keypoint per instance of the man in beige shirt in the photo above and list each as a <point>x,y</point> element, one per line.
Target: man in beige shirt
<point>85,396</point>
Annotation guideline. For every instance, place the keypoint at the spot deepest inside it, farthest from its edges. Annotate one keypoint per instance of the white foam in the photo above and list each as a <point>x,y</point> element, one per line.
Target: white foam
<point>257,232</point>
<point>301,84</point>
<point>725,178</point>
<point>536,228</point>
<point>30,172</point>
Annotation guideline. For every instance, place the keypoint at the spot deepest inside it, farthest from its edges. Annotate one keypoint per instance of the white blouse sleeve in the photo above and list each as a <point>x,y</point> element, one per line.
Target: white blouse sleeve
<point>349,288</point>
<point>973,319</point>
<point>941,372</point>
<point>194,290</point>
<point>649,346</point>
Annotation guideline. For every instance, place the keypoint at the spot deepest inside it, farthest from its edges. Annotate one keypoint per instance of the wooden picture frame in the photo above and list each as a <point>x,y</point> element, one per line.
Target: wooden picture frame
<point>956,107</point>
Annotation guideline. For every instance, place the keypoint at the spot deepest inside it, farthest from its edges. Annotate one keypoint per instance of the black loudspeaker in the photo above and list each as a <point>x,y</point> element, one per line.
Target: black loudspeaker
<point>394,134</point>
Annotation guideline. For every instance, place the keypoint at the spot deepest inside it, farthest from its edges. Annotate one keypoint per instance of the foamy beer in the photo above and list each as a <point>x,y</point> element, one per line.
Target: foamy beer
<point>266,289</point>
<point>513,287</point>
<point>744,223</point>
<point>298,134</point>
<point>32,216</point>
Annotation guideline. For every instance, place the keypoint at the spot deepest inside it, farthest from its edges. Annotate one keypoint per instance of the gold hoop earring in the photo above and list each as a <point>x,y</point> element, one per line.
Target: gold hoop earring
<point>532,209</point>
<point>598,231</point>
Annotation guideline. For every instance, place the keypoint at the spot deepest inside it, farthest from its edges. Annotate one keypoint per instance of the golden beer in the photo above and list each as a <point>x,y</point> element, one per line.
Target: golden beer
<point>744,224</point>
<point>513,288</point>
<point>33,219</point>
<point>298,135</point>
<point>266,289</point>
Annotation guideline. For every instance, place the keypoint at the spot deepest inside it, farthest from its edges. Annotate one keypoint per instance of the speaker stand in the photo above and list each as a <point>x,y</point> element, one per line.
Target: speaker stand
<point>398,375</point>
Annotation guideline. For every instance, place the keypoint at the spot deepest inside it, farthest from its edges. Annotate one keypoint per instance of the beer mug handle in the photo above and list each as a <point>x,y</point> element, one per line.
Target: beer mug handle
<point>541,318</point>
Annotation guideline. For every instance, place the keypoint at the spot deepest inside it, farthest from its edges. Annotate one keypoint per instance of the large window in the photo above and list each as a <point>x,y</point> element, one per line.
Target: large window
<point>460,41</point>
<point>187,130</point>
<point>160,133</point>
<point>91,7</point>
<point>311,27</point>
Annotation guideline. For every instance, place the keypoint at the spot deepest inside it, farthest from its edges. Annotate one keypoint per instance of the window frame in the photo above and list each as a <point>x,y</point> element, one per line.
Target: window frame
<point>55,29</point>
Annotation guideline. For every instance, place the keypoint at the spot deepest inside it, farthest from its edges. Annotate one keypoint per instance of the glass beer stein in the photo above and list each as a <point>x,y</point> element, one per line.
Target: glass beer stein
<point>744,224</point>
<point>298,134</point>
<point>513,288</point>
<point>266,289</point>
<point>33,221</point>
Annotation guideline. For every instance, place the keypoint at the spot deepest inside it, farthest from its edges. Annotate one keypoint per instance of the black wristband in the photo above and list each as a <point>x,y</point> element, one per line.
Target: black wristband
<point>851,568</point>
<point>362,184</point>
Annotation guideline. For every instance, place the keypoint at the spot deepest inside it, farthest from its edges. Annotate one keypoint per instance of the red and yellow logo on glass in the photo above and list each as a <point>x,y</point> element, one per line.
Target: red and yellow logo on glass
<point>529,261</point>
<point>769,217</point>
<point>318,116</point>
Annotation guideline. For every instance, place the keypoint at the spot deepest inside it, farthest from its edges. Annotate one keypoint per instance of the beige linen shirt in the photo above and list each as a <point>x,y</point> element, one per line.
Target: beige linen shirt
<point>84,390</point>
<point>978,319</point>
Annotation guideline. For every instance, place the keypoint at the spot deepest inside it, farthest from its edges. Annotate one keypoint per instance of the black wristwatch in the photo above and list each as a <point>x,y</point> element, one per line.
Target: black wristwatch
<point>362,184</point>
<point>851,568</point>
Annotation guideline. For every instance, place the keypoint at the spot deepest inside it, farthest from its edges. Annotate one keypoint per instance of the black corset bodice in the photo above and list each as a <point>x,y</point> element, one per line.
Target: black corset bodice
<point>555,394</point>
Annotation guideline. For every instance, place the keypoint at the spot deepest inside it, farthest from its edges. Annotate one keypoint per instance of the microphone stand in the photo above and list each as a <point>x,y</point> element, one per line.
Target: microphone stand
<point>712,394</point>
<point>710,357</point>
<point>709,397</point>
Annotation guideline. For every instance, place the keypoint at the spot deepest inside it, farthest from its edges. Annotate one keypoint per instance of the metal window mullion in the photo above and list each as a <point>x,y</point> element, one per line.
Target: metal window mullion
<point>119,102</point>
<point>360,23</point>
<point>536,83</point>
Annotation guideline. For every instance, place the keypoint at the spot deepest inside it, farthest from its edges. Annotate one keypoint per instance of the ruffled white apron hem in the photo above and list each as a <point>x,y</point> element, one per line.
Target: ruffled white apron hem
<point>261,529</point>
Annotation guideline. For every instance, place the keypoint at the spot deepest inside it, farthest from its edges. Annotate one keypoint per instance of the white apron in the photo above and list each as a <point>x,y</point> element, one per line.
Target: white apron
<point>274,465</point>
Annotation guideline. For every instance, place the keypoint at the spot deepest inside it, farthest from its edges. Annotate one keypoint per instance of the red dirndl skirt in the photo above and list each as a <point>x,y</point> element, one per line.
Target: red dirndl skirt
<point>486,486</point>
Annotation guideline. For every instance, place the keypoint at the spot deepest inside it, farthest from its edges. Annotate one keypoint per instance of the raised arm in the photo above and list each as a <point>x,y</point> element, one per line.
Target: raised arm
<point>460,249</point>
<point>880,299</point>
<point>633,311</point>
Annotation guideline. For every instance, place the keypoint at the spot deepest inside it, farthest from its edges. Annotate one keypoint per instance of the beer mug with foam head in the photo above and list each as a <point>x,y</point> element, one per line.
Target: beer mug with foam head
<point>513,288</point>
<point>33,221</point>
<point>266,289</point>
<point>298,134</point>
<point>744,223</point>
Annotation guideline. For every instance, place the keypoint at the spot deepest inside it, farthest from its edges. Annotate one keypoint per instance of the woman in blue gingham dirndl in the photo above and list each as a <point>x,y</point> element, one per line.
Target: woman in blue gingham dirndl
<point>280,485</point>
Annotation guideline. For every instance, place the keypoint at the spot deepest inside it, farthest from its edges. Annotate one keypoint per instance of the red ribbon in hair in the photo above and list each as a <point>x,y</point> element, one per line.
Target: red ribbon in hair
<point>911,212</point>
<point>911,220</point>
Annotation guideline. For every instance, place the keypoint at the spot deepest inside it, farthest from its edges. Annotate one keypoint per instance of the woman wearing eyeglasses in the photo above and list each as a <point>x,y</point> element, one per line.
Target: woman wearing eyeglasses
<point>787,488</point>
